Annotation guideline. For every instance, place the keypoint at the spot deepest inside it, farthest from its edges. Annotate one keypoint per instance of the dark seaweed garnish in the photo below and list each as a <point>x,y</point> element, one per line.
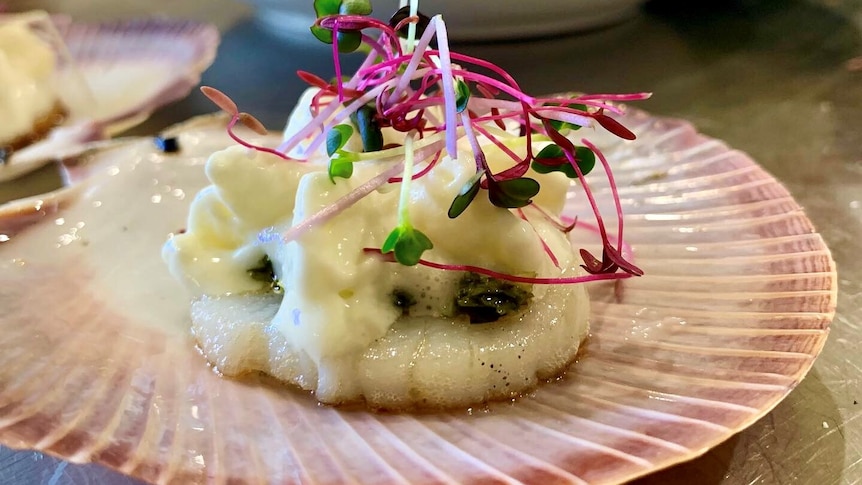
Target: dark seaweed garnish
<point>486,299</point>
<point>265,273</point>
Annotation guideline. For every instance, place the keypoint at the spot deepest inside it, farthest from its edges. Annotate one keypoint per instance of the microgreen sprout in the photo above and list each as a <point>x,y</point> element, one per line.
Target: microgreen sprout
<point>552,158</point>
<point>369,130</point>
<point>340,161</point>
<point>462,96</point>
<point>435,97</point>
<point>512,193</point>
<point>346,41</point>
<point>465,196</point>
<point>227,105</point>
<point>405,242</point>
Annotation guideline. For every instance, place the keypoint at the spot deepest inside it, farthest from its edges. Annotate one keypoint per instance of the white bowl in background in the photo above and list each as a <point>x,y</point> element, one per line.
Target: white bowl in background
<point>472,20</point>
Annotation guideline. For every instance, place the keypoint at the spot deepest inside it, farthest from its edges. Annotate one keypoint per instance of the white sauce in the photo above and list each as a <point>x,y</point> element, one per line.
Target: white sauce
<point>27,67</point>
<point>338,299</point>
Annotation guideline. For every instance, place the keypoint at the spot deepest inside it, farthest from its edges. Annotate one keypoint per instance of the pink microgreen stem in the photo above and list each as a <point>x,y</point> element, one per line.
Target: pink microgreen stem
<point>613,185</point>
<point>612,259</point>
<point>423,149</point>
<point>357,23</point>
<point>415,58</point>
<point>564,224</point>
<point>562,141</point>
<point>375,47</point>
<point>479,156</point>
<point>507,277</point>
<point>312,79</point>
<point>316,103</point>
<point>484,105</point>
<point>448,79</point>
<point>336,61</point>
<point>487,92</point>
<point>359,82</point>
<point>387,65</point>
<point>490,66</point>
<point>308,129</point>
<point>512,91</point>
<point>625,248</point>
<point>233,121</point>
<point>498,119</point>
<point>521,165</point>
<point>569,115</point>
<point>593,103</point>
<point>341,204</point>
<point>415,103</point>
<point>321,122</point>
<point>496,141</point>
<point>343,115</point>
<point>405,21</point>
<point>615,97</point>
<point>545,246</point>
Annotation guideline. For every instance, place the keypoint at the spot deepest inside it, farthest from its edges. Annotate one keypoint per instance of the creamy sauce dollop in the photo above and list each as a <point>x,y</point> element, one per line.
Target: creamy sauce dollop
<point>337,299</point>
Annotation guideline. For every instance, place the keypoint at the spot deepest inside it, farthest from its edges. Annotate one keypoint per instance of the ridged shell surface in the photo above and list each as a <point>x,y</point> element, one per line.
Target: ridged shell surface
<point>97,364</point>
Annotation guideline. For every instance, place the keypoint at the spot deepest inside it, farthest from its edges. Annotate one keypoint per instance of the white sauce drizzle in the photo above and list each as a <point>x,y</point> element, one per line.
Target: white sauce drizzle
<point>338,299</point>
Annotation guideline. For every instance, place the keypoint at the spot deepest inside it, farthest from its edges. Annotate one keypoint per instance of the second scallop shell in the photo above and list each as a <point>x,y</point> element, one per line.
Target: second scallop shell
<point>123,72</point>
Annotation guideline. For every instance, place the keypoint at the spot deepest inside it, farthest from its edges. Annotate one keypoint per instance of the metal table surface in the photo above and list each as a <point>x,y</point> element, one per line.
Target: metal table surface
<point>780,79</point>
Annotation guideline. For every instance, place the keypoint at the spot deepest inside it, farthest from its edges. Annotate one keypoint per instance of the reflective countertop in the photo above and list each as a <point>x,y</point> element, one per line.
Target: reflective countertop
<point>781,80</point>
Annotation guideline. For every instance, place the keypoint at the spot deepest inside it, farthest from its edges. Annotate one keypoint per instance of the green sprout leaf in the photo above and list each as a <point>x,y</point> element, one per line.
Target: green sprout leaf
<point>551,152</point>
<point>347,41</point>
<point>586,159</point>
<point>553,159</point>
<point>462,96</point>
<point>337,138</point>
<point>322,8</point>
<point>369,130</point>
<point>340,167</point>
<point>355,7</point>
<point>407,243</point>
<point>323,35</point>
<point>465,196</point>
<point>512,193</point>
<point>340,162</point>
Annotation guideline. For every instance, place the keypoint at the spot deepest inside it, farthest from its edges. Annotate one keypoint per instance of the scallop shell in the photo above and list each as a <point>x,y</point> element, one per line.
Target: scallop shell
<point>96,363</point>
<point>131,68</point>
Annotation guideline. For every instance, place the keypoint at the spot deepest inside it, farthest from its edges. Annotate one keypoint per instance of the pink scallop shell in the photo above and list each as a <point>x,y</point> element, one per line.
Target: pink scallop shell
<point>96,364</point>
<point>132,68</point>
